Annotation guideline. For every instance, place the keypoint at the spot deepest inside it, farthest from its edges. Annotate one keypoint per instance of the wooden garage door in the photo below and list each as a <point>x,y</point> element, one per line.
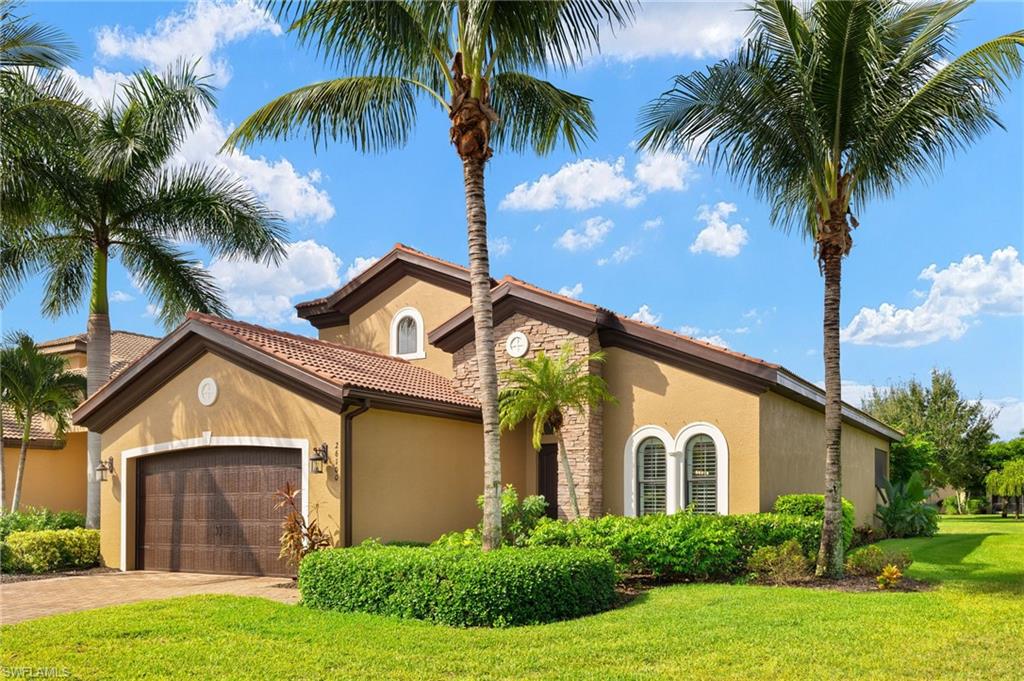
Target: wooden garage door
<point>212,510</point>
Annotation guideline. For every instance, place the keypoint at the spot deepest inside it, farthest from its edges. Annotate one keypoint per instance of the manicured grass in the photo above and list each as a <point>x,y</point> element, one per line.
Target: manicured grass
<point>971,627</point>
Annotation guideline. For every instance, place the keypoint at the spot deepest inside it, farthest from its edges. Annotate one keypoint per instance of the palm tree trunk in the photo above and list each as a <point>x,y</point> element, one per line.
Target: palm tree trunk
<point>563,457</point>
<point>25,437</point>
<point>483,322</point>
<point>97,360</point>
<point>830,552</point>
<point>3,482</point>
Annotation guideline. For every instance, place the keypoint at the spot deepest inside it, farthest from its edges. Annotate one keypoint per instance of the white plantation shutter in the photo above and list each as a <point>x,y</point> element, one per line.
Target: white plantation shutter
<point>650,463</point>
<point>702,474</point>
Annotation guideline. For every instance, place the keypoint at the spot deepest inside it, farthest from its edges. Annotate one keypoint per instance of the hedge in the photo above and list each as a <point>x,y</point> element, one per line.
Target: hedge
<point>682,546</point>
<point>49,550</point>
<point>465,588</point>
<point>35,519</point>
<point>813,506</point>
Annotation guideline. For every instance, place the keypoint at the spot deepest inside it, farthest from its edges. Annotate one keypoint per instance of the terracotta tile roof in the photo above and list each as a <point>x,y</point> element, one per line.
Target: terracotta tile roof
<point>41,430</point>
<point>342,365</point>
<point>125,348</point>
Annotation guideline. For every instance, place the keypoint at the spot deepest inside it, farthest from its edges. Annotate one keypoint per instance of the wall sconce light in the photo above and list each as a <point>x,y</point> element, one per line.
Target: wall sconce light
<point>318,458</point>
<point>104,468</point>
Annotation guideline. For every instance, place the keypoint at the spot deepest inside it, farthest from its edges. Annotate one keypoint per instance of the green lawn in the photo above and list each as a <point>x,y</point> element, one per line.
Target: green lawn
<point>971,627</point>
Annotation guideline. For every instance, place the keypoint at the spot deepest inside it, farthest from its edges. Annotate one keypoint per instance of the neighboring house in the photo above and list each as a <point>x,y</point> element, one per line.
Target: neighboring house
<point>220,413</point>
<point>55,470</point>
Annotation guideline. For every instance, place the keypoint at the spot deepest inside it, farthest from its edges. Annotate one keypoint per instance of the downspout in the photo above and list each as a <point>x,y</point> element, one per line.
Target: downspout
<point>347,468</point>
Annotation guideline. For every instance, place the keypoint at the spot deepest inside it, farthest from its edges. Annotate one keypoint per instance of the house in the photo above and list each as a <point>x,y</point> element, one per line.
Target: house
<point>377,422</point>
<point>56,470</point>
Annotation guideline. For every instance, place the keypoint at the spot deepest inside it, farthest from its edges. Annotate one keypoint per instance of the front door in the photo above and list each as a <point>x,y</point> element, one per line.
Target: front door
<point>547,477</point>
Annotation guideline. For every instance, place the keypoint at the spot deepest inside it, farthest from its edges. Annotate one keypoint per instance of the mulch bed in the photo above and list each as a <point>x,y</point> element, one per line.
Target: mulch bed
<point>853,584</point>
<point>30,577</point>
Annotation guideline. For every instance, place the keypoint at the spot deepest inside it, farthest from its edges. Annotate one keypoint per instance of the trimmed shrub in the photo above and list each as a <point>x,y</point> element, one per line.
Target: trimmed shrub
<point>35,519</point>
<point>682,546</point>
<point>49,550</point>
<point>813,506</point>
<point>870,560</point>
<point>506,587</point>
<point>783,564</point>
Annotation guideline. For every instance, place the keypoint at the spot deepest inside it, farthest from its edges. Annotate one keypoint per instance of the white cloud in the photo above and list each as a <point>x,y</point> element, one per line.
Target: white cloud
<point>688,330</point>
<point>358,266</point>
<point>646,315</point>
<point>1010,419</point>
<point>572,292</point>
<point>663,170</point>
<point>592,233</point>
<point>681,29</point>
<point>199,32</point>
<point>499,246</point>
<point>265,293</point>
<point>653,223</point>
<point>121,297</point>
<point>620,255</point>
<point>718,237</point>
<point>579,185</point>
<point>958,295</point>
<point>714,340</point>
<point>854,393</point>
<point>152,311</point>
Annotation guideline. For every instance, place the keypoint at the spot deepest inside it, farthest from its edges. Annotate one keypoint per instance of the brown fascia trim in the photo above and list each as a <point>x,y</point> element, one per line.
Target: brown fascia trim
<point>63,348</point>
<point>334,310</point>
<point>178,350</point>
<point>35,443</point>
<point>415,405</point>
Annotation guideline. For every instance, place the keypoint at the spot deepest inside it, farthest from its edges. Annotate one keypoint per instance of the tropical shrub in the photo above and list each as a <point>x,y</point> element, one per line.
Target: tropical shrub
<point>905,512</point>
<point>299,536</point>
<point>49,550</point>
<point>782,564</point>
<point>813,506</point>
<point>35,519</point>
<point>889,577</point>
<point>871,559</point>
<point>518,518</point>
<point>682,546</point>
<point>504,587</point>
<point>950,506</point>
<point>866,534</point>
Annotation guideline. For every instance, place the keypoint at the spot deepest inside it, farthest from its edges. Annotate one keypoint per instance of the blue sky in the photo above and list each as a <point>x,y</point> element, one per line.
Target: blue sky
<point>935,277</point>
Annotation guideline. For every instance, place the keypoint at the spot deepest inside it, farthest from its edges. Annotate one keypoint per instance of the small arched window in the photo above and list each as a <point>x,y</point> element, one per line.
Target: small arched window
<point>702,474</point>
<point>650,476</point>
<point>407,334</point>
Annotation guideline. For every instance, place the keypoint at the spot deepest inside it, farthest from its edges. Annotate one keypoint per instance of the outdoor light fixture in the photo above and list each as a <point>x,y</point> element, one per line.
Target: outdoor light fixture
<point>318,458</point>
<point>104,468</point>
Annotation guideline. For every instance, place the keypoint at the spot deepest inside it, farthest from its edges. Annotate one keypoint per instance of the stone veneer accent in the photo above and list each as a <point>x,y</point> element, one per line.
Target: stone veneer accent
<point>582,431</point>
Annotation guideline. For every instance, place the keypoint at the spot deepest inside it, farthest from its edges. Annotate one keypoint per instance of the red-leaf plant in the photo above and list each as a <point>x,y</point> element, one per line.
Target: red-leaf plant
<point>299,536</point>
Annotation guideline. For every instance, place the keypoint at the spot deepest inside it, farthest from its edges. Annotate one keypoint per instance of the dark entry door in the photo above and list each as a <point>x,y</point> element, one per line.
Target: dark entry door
<point>212,510</point>
<point>547,477</point>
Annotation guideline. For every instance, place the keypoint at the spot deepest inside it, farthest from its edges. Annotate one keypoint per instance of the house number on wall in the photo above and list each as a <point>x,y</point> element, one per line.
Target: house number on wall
<point>517,344</point>
<point>207,391</point>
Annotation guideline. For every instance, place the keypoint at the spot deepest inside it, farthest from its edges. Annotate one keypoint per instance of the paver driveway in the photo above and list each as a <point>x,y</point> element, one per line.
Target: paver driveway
<point>38,598</point>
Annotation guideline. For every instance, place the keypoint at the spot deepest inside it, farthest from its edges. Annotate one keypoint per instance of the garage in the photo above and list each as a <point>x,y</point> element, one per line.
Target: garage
<point>212,510</point>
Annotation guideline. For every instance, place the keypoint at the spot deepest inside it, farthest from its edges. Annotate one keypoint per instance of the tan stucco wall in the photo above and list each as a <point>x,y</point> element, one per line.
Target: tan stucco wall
<point>654,393</point>
<point>247,405</point>
<point>793,456</point>
<point>54,478</point>
<point>369,327</point>
<point>417,477</point>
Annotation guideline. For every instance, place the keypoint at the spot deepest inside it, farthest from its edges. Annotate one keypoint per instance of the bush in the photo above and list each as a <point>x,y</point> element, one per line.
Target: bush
<point>813,506</point>
<point>950,507</point>
<point>49,550</point>
<point>35,519</point>
<point>976,506</point>
<point>783,564</point>
<point>682,546</point>
<point>889,577</point>
<point>518,518</point>
<point>505,587</point>
<point>870,560</point>
<point>905,512</point>
<point>866,534</point>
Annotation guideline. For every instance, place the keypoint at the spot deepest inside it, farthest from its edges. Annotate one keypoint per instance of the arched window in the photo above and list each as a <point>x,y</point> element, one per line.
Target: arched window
<point>702,474</point>
<point>407,334</point>
<point>650,476</point>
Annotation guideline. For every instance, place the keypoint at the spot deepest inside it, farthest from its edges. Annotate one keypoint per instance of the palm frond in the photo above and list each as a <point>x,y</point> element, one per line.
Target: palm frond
<point>27,44</point>
<point>537,115</point>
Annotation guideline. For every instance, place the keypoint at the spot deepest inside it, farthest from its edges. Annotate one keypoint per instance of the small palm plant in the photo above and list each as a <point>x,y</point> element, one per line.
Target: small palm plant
<point>544,389</point>
<point>33,385</point>
<point>108,188</point>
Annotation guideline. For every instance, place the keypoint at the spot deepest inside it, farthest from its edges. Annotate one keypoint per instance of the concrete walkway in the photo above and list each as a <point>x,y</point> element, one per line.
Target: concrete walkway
<point>27,600</point>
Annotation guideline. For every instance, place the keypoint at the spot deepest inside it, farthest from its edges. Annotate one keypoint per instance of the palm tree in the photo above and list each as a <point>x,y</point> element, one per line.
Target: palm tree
<point>108,190</point>
<point>544,389</point>
<point>471,59</point>
<point>824,107</point>
<point>34,385</point>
